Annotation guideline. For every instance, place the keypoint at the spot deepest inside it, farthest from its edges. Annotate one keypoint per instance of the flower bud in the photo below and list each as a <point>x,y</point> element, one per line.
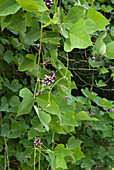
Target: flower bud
<point>93,58</point>
<point>92,113</point>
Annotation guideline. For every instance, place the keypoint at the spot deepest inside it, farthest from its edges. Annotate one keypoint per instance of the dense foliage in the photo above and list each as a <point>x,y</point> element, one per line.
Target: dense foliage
<point>56,84</point>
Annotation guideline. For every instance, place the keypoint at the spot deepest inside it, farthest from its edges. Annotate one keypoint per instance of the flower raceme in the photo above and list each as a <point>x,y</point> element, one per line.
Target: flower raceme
<point>92,113</point>
<point>37,94</point>
<point>37,142</point>
<point>46,63</point>
<point>48,3</point>
<point>48,80</point>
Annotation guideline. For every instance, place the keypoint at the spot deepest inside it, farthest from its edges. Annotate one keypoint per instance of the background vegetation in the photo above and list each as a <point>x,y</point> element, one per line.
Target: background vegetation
<point>56,84</point>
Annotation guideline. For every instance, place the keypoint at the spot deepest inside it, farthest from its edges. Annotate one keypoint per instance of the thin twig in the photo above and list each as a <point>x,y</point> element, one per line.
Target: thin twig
<point>90,84</point>
<point>6,151</point>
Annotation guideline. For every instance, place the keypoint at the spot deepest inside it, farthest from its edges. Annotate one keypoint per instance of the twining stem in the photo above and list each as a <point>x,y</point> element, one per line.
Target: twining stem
<point>39,157</point>
<point>39,49</point>
<point>39,53</point>
<point>6,151</point>
<point>58,80</point>
<point>92,3</point>
<point>36,87</point>
<point>53,144</point>
<point>6,147</point>
<point>41,153</point>
<point>92,82</point>
<point>34,157</point>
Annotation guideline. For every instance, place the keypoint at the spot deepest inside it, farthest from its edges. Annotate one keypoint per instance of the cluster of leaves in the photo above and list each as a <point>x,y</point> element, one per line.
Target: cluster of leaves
<point>71,135</point>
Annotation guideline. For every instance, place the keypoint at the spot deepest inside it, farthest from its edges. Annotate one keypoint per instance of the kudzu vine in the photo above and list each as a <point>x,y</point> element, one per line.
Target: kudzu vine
<point>56,105</point>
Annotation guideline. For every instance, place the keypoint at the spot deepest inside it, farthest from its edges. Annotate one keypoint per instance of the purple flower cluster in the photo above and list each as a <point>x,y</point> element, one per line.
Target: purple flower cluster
<point>49,79</point>
<point>37,142</point>
<point>37,94</point>
<point>92,113</point>
<point>111,110</point>
<point>48,3</point>
<point>46,63</point>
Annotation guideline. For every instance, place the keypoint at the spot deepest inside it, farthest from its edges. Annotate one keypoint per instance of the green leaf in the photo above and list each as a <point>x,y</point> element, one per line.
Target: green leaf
<point>98,18</point>
<point>103,70</point>
<point>82,2</point>
<point>37,125</point>
<point>110,153</point>
<point>60,149</point>
<point>5,130</point>
<point>44,117</point>
<point>16,130</point>
<point>26,144</point>
<point>34,33</point>
<point>42,5</point>
<point>101,83</point>
<point>28,19</point>
<point>106,103</point>
<point>55,126</point>
<point>78,154</point>
<point>1,49</point>
<point>107,8</point>
<point>2,1</point>
<point>45,18</point>
<point>78,13</point>
<point>60,161</point>
<point>1,80</point>
<point>101,152</point>
<point>111,114</point>
<point>61,20</point>
<point>8,56</point>
<point>110,49</point>
<point>64,107</point>
<point>93,63</point>
<point>29,5</point>
<point>14,101</point>
<point>103,102</point>
<point>18,22</point>
<point>9,7</point>
<point>21,157</point>
<point>84,116</point>
<point>108,132</point>
<point>90,25</point>
<point>72,142</point>
<point>101,47</point>
<point>88,163</point>
<point>5,23</point>
<point>32,133</point>
<point>27,103</point>
<point>69,119</point>
<point>112,31</point>
<point>54,40</point>
<point>52,158</point>
<point>14,86</point>
<point>89,94</point>
<point>42,101</point>
<point>78,38</point>
<point>27,64</point>
<point>55,18</point>
<point>4,104</point>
